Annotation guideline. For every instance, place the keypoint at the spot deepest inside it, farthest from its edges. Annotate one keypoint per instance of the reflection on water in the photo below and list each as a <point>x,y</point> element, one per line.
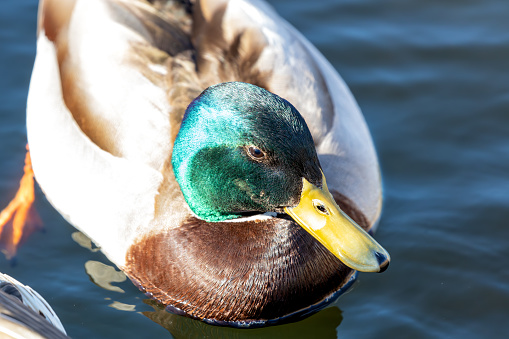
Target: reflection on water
<point>321,325</point>
<point>84,241</point>
<point>122,307</point>
<point>103,275</point>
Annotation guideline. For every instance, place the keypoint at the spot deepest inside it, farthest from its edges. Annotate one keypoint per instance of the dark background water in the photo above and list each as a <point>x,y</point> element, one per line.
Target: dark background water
<point>432,80</point>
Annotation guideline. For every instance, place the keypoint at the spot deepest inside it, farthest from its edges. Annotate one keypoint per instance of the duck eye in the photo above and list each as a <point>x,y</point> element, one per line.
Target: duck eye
<point>256,153</point>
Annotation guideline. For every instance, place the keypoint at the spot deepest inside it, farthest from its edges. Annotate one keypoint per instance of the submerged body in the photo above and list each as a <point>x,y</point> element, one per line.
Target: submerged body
<point>111,83</point>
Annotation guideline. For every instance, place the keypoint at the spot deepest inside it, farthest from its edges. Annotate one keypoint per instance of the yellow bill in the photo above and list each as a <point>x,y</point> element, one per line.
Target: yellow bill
<point>318,213</point>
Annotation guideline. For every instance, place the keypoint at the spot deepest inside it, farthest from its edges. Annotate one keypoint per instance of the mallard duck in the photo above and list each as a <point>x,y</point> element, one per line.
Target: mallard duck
<point>25,314</point>
<point>210,150</point>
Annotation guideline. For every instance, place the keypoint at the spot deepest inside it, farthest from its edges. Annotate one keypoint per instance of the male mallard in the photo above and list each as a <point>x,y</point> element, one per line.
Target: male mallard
<point>220,211</point>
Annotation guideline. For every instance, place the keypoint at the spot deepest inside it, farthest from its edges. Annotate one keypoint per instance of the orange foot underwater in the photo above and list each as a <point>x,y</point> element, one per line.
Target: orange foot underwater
<point>19,219</point>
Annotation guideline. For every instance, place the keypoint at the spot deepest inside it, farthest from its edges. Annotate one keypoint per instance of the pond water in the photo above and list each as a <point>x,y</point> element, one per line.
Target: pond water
<point>432,80</point>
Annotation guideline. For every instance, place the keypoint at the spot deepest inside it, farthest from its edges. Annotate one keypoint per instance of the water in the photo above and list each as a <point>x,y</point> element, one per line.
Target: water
<point>431,79</point>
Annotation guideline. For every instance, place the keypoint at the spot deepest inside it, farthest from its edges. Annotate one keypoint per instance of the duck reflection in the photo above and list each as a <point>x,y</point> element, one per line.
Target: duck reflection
<point>321,325</point>
<point>103,275</point>
<point>122,306</point>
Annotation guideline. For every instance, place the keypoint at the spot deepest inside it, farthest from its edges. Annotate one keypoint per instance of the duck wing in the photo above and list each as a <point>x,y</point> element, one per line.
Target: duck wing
<point>24,313</point>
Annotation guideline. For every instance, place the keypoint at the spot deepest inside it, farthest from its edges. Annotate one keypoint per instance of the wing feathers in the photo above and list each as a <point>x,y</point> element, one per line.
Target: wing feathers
<point>54,16</point>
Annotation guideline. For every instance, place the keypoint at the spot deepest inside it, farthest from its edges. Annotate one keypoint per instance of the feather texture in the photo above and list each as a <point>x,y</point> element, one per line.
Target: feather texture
<point>111,82</point>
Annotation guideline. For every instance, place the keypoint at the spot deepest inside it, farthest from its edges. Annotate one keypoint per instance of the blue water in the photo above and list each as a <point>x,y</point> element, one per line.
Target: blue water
<point>432,80</point>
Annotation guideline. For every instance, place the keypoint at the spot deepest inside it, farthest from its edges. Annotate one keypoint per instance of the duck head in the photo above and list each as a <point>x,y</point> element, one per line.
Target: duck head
<point>241,149</point>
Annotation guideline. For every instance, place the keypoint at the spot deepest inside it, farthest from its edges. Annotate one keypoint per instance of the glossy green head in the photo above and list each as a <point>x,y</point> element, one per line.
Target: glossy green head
<point>241,148</point>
